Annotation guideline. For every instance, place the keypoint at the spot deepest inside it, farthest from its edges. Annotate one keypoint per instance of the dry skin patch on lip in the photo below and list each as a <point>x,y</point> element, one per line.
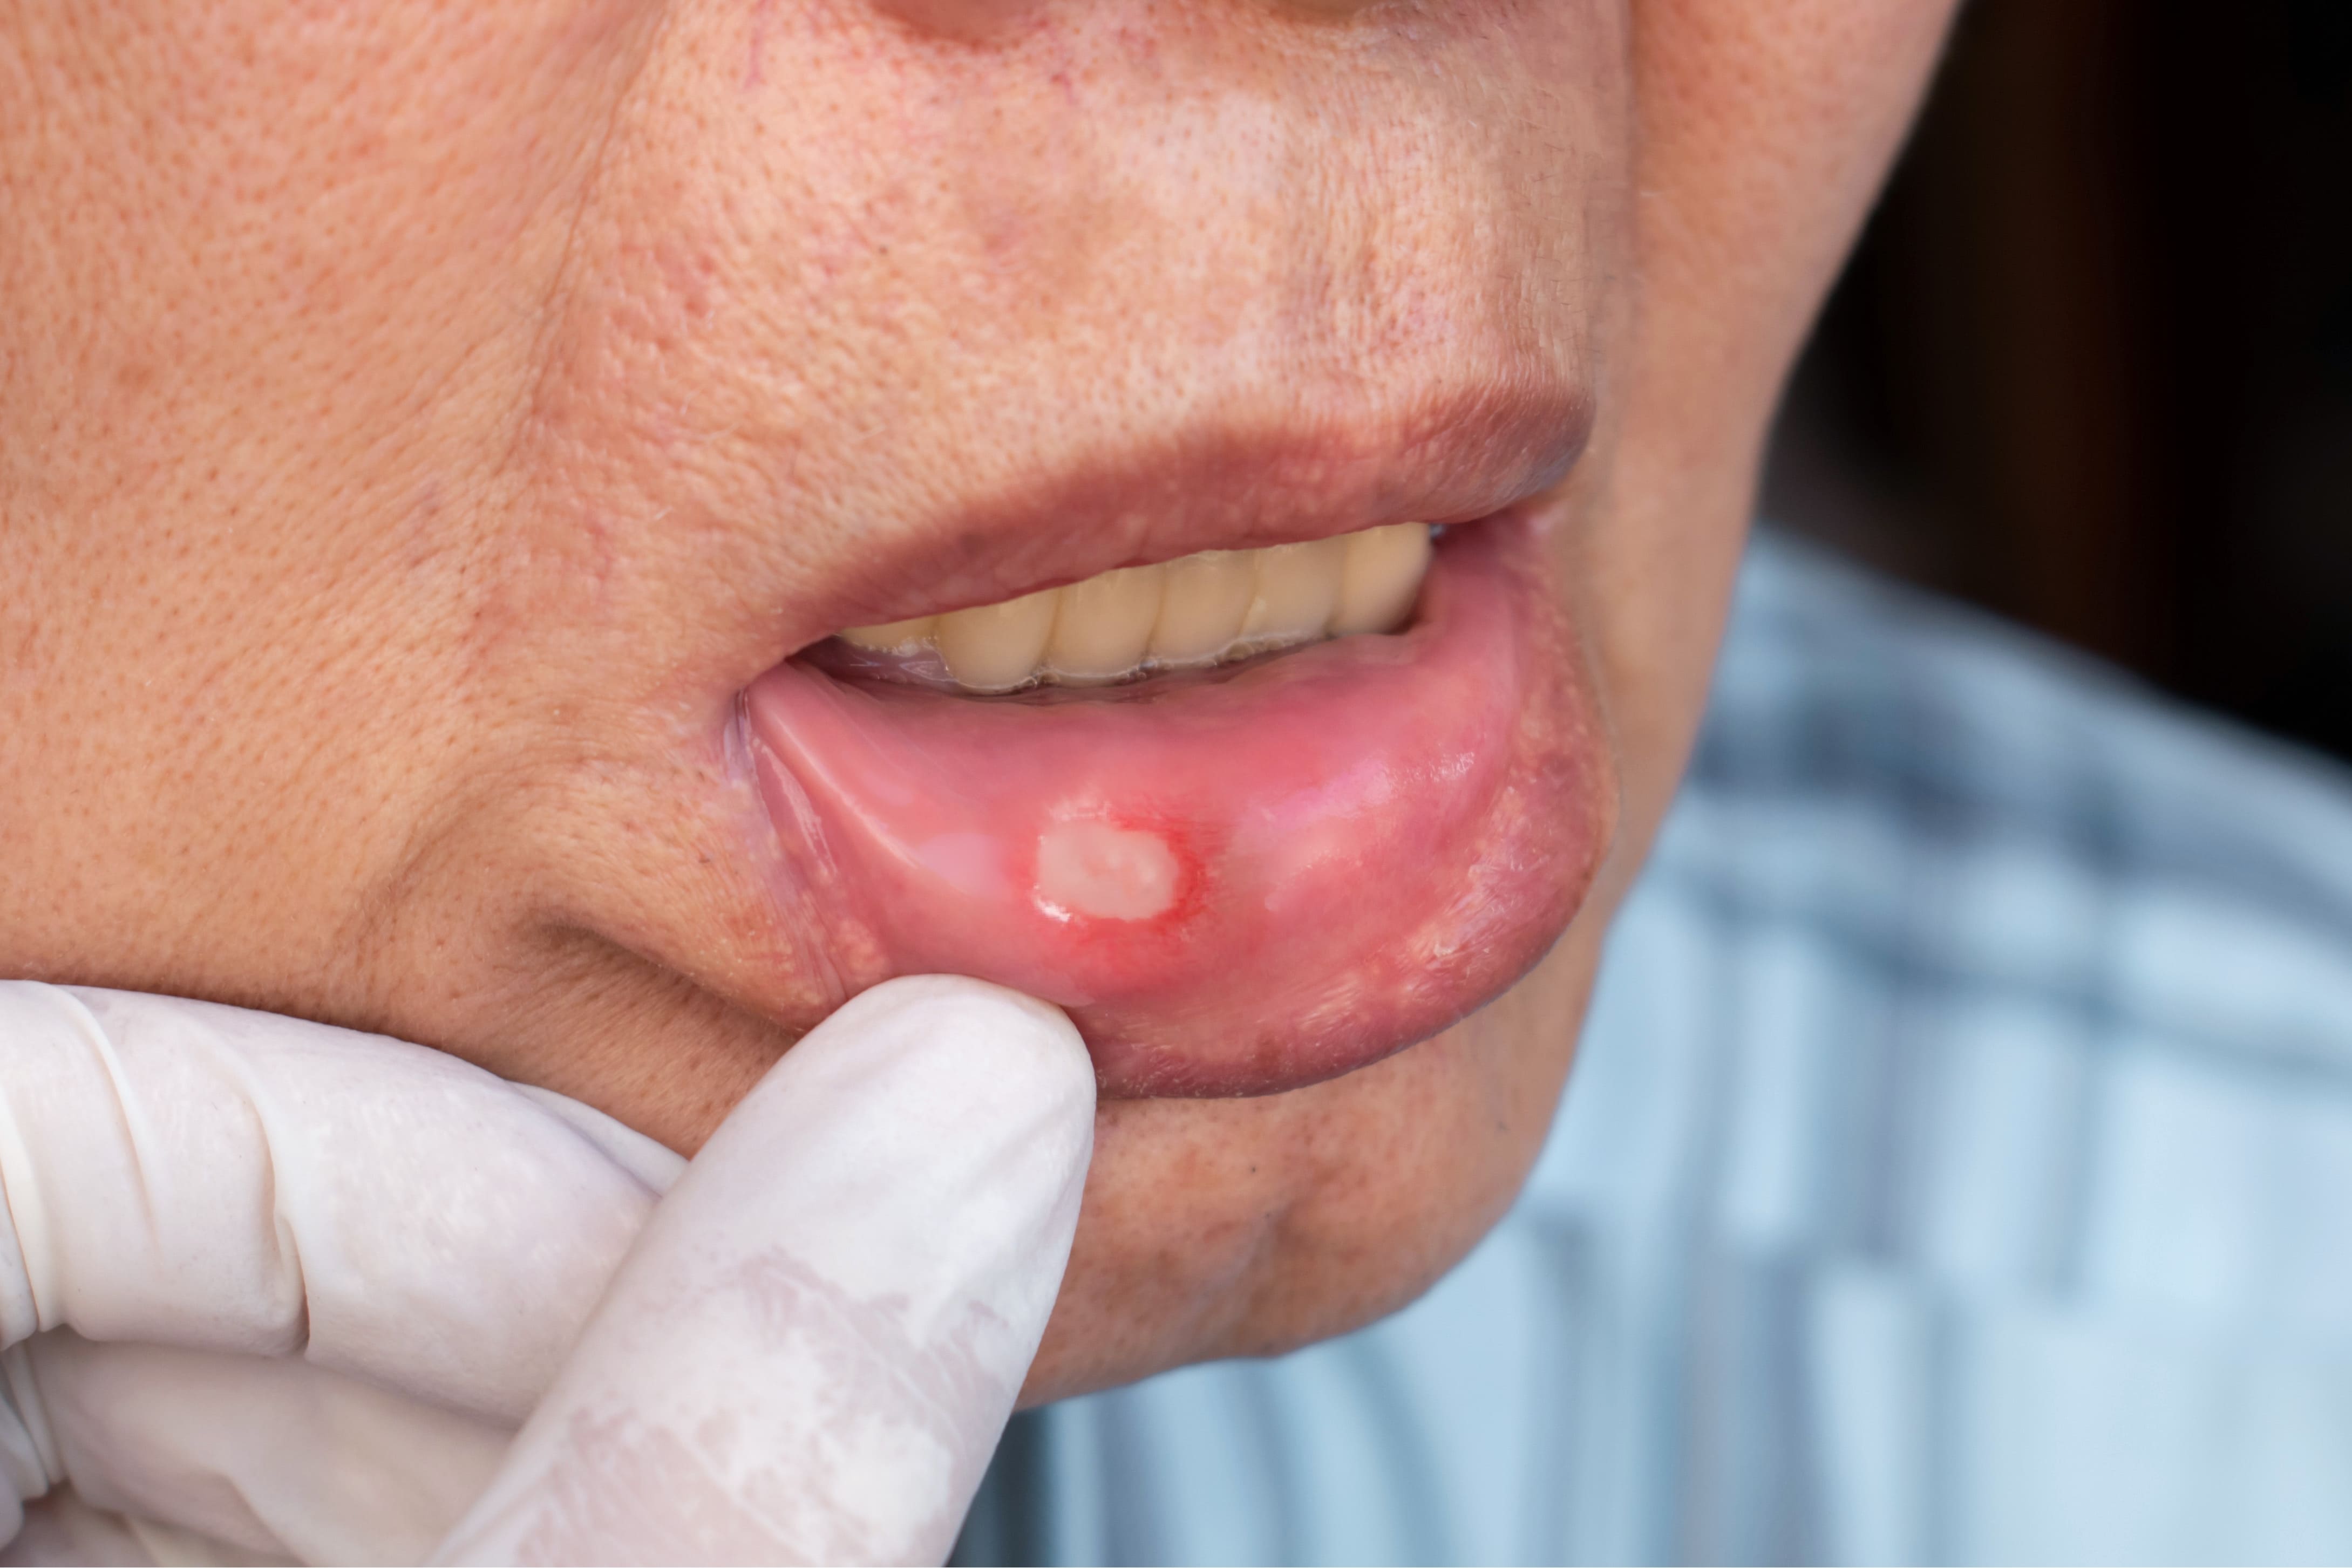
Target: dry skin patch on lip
<point>1105,872</point>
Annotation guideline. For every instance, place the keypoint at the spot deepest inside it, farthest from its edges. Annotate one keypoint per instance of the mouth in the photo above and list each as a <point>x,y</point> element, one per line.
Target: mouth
<point>1212,608</point>
<point>1254,819</point>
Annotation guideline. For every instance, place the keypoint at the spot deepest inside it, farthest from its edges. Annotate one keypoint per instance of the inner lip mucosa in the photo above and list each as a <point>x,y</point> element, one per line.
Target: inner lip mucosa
<point>1239,880</point>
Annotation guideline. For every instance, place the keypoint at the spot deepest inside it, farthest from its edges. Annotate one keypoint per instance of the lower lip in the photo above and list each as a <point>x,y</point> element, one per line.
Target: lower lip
<point>1237,884</point>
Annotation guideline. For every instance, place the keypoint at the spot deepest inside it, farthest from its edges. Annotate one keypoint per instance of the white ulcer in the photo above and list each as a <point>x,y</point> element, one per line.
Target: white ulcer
<point>1105,872</point>
<point>1200,610</point>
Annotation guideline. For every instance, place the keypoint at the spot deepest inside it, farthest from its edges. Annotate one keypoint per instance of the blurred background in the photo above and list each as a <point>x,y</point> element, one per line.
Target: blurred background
<point>2092,365</point>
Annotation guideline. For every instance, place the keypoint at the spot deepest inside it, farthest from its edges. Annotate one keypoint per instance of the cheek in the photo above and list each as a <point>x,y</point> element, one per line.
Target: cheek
<point>339,217</point>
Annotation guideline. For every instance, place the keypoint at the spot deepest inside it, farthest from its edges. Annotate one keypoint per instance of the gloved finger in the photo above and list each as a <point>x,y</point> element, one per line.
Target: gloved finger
<point>812,1349</point>
<point>182,1173</point>
<point>269,1454</point>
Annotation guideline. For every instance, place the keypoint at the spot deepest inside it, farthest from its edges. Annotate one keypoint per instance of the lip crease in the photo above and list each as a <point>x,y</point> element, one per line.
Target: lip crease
<point>1236,882</point>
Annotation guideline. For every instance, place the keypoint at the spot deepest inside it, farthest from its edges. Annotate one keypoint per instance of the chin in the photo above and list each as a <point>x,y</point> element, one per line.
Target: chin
<point>1220,1229</point>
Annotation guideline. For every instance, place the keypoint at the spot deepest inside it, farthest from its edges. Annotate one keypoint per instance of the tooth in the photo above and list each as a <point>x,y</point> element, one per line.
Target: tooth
<point>1298,589</point>
<point>1201,612</point>
<point>995,647</point>
<point>1382,578</point>
<point>893,636</point>
<point>1189,613</point>
<point>1104,624</point>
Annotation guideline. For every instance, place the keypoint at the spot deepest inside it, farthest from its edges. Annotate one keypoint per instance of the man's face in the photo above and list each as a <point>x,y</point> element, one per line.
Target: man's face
<point>441,443</point>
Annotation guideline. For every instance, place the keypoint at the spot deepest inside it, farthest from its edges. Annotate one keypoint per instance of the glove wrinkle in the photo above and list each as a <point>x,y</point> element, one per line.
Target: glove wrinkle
<point>61,1530</point>
<point>26,1259</point>
<point>29,1447</point>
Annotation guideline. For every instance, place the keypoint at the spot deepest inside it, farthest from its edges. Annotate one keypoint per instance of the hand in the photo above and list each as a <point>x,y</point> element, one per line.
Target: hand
<point>290,1289</point>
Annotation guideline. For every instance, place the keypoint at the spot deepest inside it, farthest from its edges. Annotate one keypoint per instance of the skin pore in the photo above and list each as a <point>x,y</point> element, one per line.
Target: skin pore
<point>420,423</point>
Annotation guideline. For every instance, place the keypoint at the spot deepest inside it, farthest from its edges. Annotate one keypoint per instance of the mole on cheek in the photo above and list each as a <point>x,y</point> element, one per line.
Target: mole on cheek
<point>1105,872</point>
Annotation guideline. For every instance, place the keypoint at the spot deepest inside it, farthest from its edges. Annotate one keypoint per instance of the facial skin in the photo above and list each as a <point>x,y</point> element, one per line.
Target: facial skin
<point>419,424</point>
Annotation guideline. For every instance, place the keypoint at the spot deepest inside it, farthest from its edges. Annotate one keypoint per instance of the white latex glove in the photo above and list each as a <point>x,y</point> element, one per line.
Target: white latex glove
<point>273,1290</point>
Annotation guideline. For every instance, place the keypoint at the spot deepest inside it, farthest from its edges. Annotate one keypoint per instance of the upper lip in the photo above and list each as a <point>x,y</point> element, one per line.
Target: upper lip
<point>1443,459</point>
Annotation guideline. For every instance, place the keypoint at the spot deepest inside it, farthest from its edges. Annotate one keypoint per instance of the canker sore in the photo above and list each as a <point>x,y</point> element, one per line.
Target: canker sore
<point>1105,871</point>
<point>1234,881</point>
